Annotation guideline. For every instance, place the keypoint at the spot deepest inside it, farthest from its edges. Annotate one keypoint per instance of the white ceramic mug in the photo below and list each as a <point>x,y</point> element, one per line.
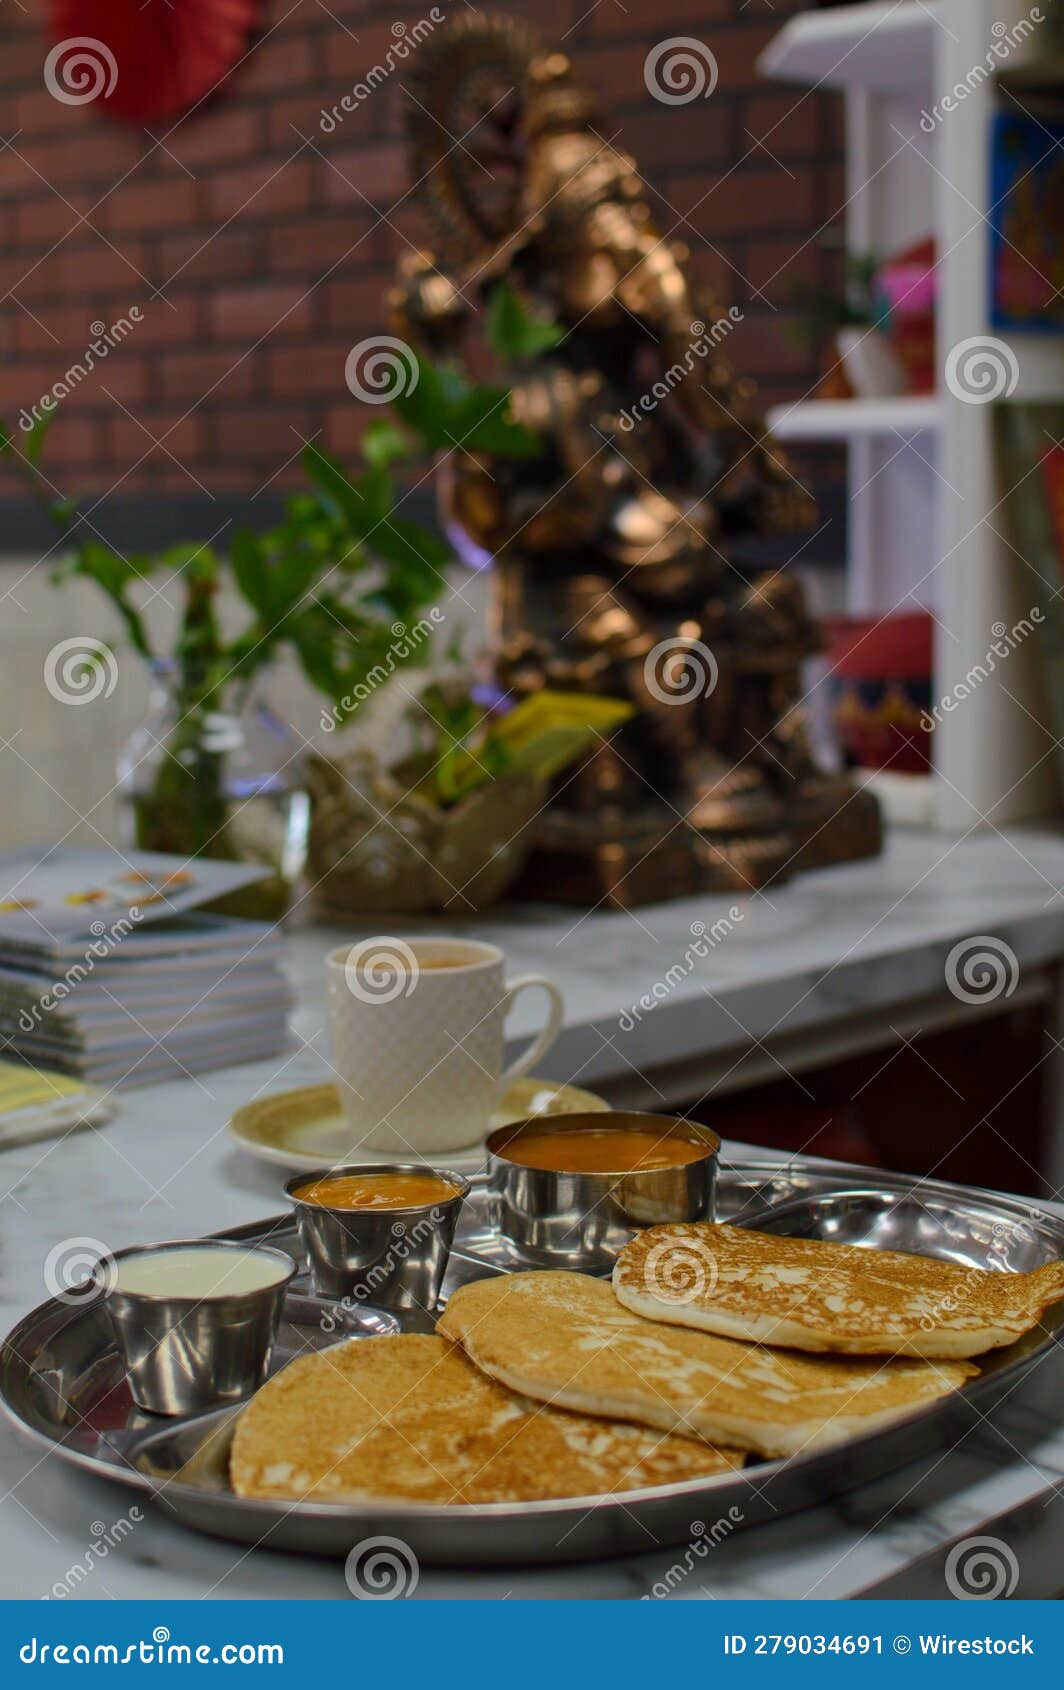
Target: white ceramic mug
<point>417,1028</point>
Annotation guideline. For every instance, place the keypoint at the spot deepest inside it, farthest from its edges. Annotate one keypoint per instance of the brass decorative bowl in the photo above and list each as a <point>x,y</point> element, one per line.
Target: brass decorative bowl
<point>420,856</point>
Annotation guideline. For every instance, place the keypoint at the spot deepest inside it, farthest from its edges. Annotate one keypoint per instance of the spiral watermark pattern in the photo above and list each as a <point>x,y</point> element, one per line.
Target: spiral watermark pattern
<point>679,1270</point>
<point>381,970</point>
<point>981,370</point>
<point>381,368</point>
<point>80,70</point>
<point>680,70</point>
<point>80,670</point>
<point>981,1569</point>
<point>70,1266</point>
<point>982,969</point>
<point>382,1569</point>
<point>678,670</point>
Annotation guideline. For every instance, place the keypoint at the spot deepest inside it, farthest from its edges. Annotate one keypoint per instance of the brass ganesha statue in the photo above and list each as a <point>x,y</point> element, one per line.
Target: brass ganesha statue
<point>611,551</point>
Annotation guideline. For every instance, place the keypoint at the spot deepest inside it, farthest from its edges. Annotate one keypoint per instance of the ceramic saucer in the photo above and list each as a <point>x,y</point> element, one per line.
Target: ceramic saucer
<point>306,1129</point>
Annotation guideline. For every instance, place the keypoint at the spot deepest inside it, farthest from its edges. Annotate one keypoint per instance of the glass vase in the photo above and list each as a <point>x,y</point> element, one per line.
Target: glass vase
<point>218,777</point>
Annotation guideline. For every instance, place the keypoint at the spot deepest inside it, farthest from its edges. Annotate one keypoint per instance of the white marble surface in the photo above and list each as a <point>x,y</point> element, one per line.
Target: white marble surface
<point>868,935</point>
<point>811,954</point>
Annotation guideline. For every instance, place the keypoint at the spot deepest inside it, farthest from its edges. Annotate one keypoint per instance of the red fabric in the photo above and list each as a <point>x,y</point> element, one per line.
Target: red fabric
<point>873,648</point>
<point>167,55</point>
<point>881,681</point>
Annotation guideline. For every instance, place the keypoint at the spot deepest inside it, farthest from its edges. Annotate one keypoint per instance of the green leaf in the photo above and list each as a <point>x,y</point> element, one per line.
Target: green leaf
<point>514,333</point>
<point>383,443</point>
<point>248,565</point>
<point>426,407</point>
<point>482,423</point>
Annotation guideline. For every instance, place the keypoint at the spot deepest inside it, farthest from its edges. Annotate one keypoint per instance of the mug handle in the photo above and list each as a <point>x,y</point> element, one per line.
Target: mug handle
<point>547,1035</point>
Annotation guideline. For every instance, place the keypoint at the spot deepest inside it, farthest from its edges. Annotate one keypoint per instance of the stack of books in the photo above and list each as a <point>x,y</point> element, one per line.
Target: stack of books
<point>109,970</point>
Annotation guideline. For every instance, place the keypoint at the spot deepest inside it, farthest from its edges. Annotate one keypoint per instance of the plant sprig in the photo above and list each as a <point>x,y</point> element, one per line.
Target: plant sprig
<point>334,576</point>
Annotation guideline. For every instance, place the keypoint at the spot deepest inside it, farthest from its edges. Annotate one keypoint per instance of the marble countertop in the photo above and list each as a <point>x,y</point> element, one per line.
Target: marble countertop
<point>818,952</point>
<point>862,936</point>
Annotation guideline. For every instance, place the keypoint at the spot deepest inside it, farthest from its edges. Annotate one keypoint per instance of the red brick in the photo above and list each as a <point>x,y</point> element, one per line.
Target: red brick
<point>691,17</point>
<point>304,267</point>
<point>311,370</point>
<point>308,246</point>
<point>204,376</point>
<point>40,223</point>
<point>86,265</point>
<point>95,155</point>
<point>281,61</point>
<point>737,201</point>
<point>250,312</point>
<point>141,205</point>
<point>262,189</point>
<point>210,136</point>
<point>185,442</point>
<point>788,125</point>
<point>267,437</point>
<point>356,302</point>
<point>359,175</point>
<point>211,254</point>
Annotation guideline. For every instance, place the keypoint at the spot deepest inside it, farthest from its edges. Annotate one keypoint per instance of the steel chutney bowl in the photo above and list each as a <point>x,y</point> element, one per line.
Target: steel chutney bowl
<point>387,1257</point>
<point>580,1220</point>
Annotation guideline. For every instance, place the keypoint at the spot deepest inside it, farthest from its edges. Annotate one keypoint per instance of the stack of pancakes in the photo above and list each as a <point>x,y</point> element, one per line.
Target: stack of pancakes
<point>712,1343</point>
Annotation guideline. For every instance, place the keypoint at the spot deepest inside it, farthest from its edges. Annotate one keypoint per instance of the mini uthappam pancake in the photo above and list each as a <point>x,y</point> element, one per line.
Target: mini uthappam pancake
<point>564,1339</point>
<point>809,1294</point>
<point>410,1418</point>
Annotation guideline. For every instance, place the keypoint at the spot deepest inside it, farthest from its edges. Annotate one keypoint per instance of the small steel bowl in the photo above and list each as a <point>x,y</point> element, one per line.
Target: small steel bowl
<point>581,1220</point>
<point>392,1258</point>
<point>184,1354</point>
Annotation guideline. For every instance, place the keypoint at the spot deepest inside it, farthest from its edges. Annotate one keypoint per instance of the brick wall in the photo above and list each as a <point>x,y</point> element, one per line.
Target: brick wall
<point>256,260</point>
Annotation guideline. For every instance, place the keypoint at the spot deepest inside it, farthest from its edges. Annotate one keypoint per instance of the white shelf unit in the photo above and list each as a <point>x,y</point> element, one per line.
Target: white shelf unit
<point>857,419</point>
<point>926,528</point>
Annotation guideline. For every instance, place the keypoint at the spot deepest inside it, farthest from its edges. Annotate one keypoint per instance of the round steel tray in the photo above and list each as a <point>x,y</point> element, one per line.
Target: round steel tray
<point>62,1385</point>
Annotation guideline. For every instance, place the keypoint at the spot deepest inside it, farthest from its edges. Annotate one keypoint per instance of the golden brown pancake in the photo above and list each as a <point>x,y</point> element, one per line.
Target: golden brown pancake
<point>411,1418</point>
<point>811,1295</point>
<point>563,1338</point>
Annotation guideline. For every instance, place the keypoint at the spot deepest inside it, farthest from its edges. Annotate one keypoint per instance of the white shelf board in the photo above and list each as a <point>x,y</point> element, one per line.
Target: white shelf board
<point>884,46</point>
<point>855,419</point>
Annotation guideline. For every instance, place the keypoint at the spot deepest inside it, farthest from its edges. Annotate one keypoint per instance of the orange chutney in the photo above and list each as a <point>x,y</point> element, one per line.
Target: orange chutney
<point>377,1191</point>
<point>603,1150</point>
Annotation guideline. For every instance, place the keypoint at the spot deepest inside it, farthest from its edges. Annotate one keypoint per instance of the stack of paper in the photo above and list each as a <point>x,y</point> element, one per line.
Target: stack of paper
<point>109,971</point>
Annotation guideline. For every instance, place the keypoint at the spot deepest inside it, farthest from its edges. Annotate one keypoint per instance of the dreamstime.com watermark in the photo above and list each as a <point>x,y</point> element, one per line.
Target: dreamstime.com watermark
<point>79,70</point>
<point>105,940</point>
<point>103,343</point>
<point>982,370</point>
<point>381,368</point>
<point>1005,42</point>
<point>160,1651</point>
<point>982,969</point>
<point>406,642</point>
<point>703,940</point>
<point>381,1569</point>
<point>404,1241</point>
<point>80,669</point>
<point>79,1270</point>
<point>680,70</point>
<point>703,1540</point>
<point>703,341</point>
<point>407,38</point>
<point>1005,1235</point>
<point>104,1539</point>
<point>982,1569</point>
<point>680,1269</point>
<point>1005,642</point>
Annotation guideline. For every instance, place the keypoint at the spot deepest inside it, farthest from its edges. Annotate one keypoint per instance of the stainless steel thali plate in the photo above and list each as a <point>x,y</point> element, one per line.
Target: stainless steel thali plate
<point>62,1385</point>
